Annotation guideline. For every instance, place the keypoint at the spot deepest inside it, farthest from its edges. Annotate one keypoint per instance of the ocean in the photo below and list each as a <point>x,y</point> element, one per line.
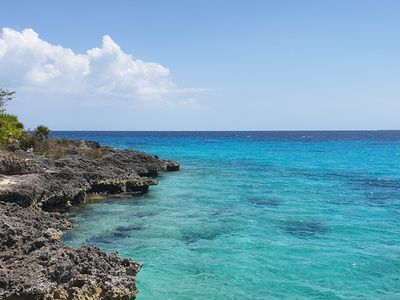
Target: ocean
<point>257,215</point>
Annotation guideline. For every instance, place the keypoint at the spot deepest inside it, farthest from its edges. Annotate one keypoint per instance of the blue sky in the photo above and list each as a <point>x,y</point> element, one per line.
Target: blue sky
<point>215,65</point>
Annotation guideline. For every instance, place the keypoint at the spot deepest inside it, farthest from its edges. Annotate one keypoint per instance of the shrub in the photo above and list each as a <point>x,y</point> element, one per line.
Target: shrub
<point>58,151</point>
<point>26,142</point>
<point>94,154</point>
<point>57,148</point>
<point>11,130</point>
<point>41,132</point>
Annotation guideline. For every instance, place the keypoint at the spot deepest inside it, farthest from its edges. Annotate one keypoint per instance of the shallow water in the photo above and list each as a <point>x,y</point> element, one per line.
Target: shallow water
<point>260,215</point>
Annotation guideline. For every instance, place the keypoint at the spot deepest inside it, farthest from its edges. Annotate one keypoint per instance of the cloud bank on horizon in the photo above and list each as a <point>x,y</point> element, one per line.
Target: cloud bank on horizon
<point>27,61</point>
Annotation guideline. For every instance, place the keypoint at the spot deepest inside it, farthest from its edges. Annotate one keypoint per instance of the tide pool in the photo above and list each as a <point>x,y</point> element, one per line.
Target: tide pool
<point>257,215</point>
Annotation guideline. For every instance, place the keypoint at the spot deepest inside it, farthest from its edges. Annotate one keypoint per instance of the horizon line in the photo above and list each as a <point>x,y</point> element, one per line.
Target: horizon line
<point>285,130</point>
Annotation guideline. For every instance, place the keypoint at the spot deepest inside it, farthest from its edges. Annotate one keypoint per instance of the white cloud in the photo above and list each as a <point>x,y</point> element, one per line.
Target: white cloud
<point>27,61</point>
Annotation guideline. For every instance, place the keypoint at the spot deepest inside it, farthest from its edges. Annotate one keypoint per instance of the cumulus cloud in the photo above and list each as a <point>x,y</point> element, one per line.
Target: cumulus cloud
<point>28,61</point>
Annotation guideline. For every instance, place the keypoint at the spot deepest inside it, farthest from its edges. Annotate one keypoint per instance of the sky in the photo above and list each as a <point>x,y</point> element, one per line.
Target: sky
<point>202,65</point>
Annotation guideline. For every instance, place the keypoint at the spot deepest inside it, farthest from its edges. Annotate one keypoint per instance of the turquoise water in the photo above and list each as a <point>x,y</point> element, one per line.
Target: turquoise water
<point>258,216</point>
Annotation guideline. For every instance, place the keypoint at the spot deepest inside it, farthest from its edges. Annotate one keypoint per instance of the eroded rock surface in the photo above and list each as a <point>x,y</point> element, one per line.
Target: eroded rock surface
<point>56,184</point>
<point>34,263</point>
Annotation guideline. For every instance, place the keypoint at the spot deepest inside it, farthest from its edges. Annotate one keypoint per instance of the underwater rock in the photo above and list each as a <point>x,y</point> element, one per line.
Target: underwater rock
<point>144,214</point>
<point>381,183</point>
<point>129,228</point>
<point>301,228</point>
<point>126,231</point>
<point>116,235</point>
<point>100,239</point>
<point>269,202</point>
<point>194,235</point>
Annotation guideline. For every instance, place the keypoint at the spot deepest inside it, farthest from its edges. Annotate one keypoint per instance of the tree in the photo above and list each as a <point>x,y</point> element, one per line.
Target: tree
<point>41,132</point>
<point>5,96</point>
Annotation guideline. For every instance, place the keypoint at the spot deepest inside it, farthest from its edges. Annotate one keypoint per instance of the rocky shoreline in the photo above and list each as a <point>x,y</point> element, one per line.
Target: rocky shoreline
<point>35,190</point>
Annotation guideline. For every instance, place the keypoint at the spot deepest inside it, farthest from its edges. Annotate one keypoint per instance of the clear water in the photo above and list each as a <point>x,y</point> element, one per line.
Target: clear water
<point>258,215</point>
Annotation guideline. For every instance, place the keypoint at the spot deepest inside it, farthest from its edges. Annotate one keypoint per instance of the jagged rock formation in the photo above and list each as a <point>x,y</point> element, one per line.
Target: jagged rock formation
<point>56,184</point>
<point>34,263</point>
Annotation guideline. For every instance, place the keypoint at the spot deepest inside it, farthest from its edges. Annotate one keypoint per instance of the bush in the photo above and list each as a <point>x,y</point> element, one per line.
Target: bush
<point>41,132</point>
<point>57,148</point>
<point>58,151</point>
<point>12,134</point>
<point>26,142</point>
<point>11,131</point>
<point>94,154</point>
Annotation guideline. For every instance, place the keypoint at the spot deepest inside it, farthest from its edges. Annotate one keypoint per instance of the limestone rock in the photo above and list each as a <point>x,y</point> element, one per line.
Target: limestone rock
<point>34,262</point>
<point>56,184</point>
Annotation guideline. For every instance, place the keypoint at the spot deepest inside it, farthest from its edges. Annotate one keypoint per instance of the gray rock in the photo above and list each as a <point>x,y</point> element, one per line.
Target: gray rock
<point>34,263</point>
<point>56,184</point>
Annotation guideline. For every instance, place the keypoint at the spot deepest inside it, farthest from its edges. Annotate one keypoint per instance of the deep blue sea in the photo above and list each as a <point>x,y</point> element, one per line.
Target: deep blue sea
<point>257,215</point>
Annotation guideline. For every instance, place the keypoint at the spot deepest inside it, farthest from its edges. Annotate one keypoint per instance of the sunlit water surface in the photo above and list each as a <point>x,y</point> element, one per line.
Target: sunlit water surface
<point>257,215</point>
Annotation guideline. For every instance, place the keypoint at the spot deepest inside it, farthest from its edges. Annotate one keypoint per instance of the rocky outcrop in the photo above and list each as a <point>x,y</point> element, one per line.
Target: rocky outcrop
<point>56,184</point>
<point>34,263</point>
<point>11,164</point>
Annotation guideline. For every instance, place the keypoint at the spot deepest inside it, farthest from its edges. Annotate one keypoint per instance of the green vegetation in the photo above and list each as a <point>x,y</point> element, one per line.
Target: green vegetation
<point>14,137</point>
<point>11,131</point>
<point>59,148</point>
<point>40,142</point>
<point>56,148</point>
<point>94,154</point>
<point>41,132</point>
